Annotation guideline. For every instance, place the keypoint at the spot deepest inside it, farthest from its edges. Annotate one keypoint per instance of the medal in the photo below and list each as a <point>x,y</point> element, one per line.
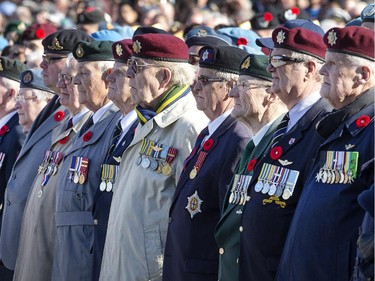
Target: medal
<point>167,170</point>
<point>145,163</point>
<point>272,190</point>
<point>82,179</point>
<point>138,160</point>
<point>159,170</point>
<point>154,165</point>
<point>76,178</point>
<point>259,186</point>
<point>193,173</point>
<point>109,186</point>
<point>102,186</point>
<point>266,188</point>
<point>286,194</point>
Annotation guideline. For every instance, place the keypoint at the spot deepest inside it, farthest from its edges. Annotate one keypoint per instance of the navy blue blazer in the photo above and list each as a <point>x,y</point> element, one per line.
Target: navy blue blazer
<point>321,244</point>
<point>102,203</point>
<point>191,252</point>
<point>267,216</point>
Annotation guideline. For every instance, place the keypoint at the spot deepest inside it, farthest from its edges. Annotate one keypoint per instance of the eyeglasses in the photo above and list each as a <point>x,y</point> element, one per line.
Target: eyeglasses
<point>205,80</point>
<point>22,98</point>
<point>136,65</point>
<point>66,78</point>
<point>50,60</point>
<point>193,59</point>
<point>277,61</point>
<point>247,85</point>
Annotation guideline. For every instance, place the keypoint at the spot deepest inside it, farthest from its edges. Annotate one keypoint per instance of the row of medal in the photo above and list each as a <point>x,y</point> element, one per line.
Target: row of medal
<point>339,167</point>
<point>276,181</point>
<point>157,157</point>
<point>2,158</point>
<point>109,174</point>
<point>50,164</point>
<point>238,195</point>
<point>78,170</point>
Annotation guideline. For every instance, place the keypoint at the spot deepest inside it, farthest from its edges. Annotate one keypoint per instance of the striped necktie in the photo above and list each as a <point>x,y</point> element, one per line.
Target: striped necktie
<point>89,122</point>
<point>197,145</point>
<point>281,130</point>
<point>115,137</point>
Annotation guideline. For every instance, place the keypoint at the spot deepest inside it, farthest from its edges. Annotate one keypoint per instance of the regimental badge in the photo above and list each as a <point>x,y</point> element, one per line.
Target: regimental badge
<point>1,66</point>
<point>55,45</point>
<point>369,11</point>
<point>202,33</point>
<point>349,146</point>
<point>137,47</point>
<point>280,37</point>
<point>332,37</point>
<point>194,204</point>
<point>80,52</point>
<point>119,50</point>
<point>21,26</point>
<point>27,78</point>
<point>205,55</point>
<point>246,64</point>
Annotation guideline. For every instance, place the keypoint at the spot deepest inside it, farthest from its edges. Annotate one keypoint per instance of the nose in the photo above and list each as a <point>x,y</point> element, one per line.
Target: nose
<point>76,80</point>
<point>233,93</point>
<point>197,87</point>
<point>43,64</point>
<point>109,77</point>
<point>60,83</point>
<point>322,70</point>
<point>270,68</point>
<point>130,73</point>
<point>18,105</point>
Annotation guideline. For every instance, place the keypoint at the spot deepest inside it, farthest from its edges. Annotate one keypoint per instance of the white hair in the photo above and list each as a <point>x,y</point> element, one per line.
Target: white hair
<point>359,62</point>
<point>319,63</point>
<point>182,73</point>
<point>42,95</point>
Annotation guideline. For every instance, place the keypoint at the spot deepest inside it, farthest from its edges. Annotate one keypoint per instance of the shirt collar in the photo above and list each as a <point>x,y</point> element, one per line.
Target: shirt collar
<point>98,115</point>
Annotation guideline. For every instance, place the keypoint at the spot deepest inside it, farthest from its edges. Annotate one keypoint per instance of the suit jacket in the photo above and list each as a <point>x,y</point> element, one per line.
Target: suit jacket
<point>38,229</point>
<point>191,252</point>
<point>10,145</point>
<point>102,203</point>
<point>24,171</point>
<point>74,201</point>
<point>138,219</point>
<point>267,216</point>
<point>324,230</point>
<point>227,232</point>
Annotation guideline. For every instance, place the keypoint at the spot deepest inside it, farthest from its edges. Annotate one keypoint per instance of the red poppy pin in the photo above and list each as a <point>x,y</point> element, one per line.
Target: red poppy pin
<point>295,11</point>
<point>3,130</point>
<point>39,33</point>
<point>241,41</point>
<point>59,115</point>
<point>251,164</point>
<point>276,152</point>
<point>268,16</point>
<point>64,140</point>
<point>87,136</point>
<point>362,121</point>
<point>208,144</point>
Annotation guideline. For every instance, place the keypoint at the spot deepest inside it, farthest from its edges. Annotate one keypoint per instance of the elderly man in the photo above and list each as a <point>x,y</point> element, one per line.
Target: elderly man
<point>81,166</point>
<point>31,100</point>
<point>324,229</point>
<point>279,175</point>
<point>37,237</point>
<point>119,93</point>
<point>11,135</point>
<point>258,110</point>
<point>169,124</point>
<point>191,252</point>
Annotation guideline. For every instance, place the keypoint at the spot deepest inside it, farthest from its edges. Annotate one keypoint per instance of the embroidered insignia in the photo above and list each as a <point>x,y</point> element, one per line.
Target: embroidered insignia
<point>332,37</point>
<point>55,45</point>
<point>119,50</point>
<point>246,64</point>
<point>117,159</point>
<point>27,78</point>
<point>80,52</point>
<point>285,162</point>
<point>205,55</point>
<point>21,26</point>
<point>280,37</point>
<point>194,204</point>
<point>369,11</point>
<point>137,47</point>
<point>319,176</point>
<point>349,146</point>
<point>291,141</point>
<point>202,32</point>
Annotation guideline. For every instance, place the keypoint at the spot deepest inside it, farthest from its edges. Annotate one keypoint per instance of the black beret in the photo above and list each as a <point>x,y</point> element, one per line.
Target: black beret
<point>256,65</point>
<point>93,51</point>
<point>11,68</point>
<point>149,29</point>
<point>90,15</point>
<point>223,58</point>
<point>63,41</point>
<point>33,78</point>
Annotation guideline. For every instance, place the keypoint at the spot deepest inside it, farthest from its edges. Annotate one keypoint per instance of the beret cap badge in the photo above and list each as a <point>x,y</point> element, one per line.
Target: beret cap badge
<point>119,50</point>
<point>205,55</point>
<point>332,37</point>
<point>246,64</point>
<point>55,45</point>
<point>137,47</point>
<point>280,37</point>
<point>27,78</point>
<point>202,32</point>
<point>79,51</point>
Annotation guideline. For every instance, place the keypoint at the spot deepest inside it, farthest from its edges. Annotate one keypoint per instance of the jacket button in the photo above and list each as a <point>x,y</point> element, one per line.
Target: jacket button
<point>96,222</point>
<point>240,229</point>
<point>8,202</point>
<point>221,251</point>
<point>170,219</point>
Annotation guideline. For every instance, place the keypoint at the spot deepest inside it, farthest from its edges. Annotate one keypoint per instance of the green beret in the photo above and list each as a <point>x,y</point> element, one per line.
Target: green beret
<point>93,51</point>
<point>11,68</point>
<point>255,65</point>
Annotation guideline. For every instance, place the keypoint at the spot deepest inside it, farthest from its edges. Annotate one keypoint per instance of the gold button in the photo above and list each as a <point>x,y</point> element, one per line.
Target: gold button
<point>241,229</point>
<point>221,251</point>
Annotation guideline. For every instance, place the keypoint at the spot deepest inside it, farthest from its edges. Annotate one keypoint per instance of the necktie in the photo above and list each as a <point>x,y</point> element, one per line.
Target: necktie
<point>196,147</point>
<point>70,124</point>
<point>281,130</point>
<point>115,137</point>
<point>89,122</point>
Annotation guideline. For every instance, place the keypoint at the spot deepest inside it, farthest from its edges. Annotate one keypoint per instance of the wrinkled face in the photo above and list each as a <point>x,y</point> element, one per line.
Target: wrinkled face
<point>52,65</point>
<point>118,86</point>
<point>250,98</point>
<point>338,79</point>
<point>91,85</point>
<point>68,91</point>
<point>28,107</point>
<point>144,76</point>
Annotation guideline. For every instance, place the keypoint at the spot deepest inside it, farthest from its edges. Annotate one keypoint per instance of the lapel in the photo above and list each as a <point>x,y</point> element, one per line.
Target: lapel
<point>220,131</point>
<point>12,122</point>
<point>47,126</point>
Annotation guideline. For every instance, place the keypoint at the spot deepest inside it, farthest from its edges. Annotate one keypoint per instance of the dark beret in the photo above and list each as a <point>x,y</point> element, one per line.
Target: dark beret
<point>149,29</point>
<point>38,31</point>
<point>351,40</point>
<point>93,51</point>
<point>63,41</point>
<point>265,20</point>
<point>33,78</point>
<point>122,50</point>
<point>256,65</point>
<point>90,15</point>
<point>11,68</point>
<point>206,36</point>
<point>223,58</point>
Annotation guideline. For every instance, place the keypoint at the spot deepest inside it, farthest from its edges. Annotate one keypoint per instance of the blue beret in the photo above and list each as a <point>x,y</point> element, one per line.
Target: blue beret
<point>107,35</point>
<point>206,36</point>
<point>32,78</point>
<point>240,36</point>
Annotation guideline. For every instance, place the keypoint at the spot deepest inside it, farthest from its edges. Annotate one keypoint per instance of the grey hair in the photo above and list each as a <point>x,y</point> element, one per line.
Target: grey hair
<point>358,62</point>
<point>71,62</point>
<point>11,84</point>
<point>261,82</point>
<point>42,95</point>
<point>182,73</point>
<point>319,63</point>
<point>103,65</point>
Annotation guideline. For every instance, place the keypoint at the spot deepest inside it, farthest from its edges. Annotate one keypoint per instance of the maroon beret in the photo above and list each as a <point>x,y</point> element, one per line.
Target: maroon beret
<point>300,40</point>
<point>122,50</point>
<point>164,47</point>
<point>351,40</point>
<point>38,31</point>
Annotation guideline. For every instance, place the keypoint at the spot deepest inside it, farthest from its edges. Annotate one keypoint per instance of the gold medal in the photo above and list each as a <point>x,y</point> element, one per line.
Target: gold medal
<point>82,179</point>
<point>167,170</point>
<point>337,176</point>
<point>159,169</point>
<point>193,173</point>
